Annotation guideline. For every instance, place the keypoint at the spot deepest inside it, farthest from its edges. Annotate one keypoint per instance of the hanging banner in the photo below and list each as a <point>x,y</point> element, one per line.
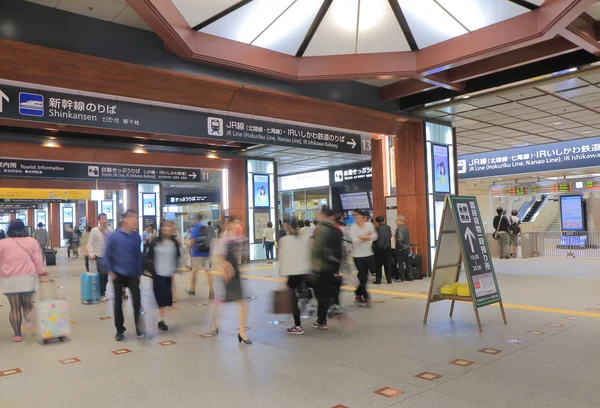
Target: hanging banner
<point>36,169</point>
<point>54,107</point>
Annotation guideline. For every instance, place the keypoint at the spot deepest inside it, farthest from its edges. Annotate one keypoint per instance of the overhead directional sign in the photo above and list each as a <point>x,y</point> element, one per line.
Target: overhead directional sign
<point>37,169</point>
<point>69,109</point>
<point>531,159</point>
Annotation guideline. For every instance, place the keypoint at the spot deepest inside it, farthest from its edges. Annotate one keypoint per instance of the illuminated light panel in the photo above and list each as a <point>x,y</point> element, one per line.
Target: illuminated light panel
<point>337,33</point>
<point>429,23</point>
<point>246,23</point>
<point>378,29</point>
<point>196,13</point>
<point>286,34</point>
<point>476,14</point>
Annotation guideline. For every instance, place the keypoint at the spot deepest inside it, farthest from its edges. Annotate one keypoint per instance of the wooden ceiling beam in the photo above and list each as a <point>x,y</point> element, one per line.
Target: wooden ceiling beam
<point>583,33</point>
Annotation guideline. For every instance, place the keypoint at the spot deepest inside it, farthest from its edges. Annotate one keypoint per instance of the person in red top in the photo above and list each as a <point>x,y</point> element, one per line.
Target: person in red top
<point>20,268</point>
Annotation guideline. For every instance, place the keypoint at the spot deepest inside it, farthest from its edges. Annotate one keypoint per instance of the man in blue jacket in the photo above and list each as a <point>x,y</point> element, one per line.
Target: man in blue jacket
<point>123,261</point>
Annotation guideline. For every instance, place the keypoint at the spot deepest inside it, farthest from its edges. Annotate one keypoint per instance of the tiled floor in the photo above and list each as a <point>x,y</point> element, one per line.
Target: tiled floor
<point>389,358</point>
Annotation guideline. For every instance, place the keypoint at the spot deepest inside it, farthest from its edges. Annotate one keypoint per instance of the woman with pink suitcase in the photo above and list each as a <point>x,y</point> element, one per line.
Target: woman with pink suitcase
<point>20,269</point>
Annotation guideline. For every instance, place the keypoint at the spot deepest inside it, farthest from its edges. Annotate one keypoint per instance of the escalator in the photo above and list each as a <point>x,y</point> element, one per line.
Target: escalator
<point>534,209</point>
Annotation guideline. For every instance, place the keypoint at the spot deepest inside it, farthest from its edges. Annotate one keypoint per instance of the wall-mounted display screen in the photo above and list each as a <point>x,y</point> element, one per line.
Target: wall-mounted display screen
<point>572,213</point>
<point>441,169</point>
<point>40,217</point>
<point>107,208</point>
<point>352,201</point>
<point>261,194</point>
<point>149,204</point>
<point>67,215</point>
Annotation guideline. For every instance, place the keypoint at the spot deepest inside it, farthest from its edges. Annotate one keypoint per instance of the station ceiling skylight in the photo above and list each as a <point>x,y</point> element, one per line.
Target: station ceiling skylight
<point>334,27</point>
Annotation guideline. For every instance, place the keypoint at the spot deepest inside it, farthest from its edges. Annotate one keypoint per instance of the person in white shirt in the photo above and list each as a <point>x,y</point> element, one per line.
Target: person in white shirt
<point>309,229</point>
<point>268,237</point>
<point>363,234</point>
<point>294,262</point>
<point>96,246</point>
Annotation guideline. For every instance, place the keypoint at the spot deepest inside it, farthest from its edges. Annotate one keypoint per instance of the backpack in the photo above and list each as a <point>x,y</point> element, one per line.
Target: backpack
<point>201,243</point>
<point>514,226</point>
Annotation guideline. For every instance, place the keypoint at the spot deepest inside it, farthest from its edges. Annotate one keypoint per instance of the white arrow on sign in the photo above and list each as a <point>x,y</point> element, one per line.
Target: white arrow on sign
<point>352,143</point>
<point>193,175</point>
<point>470,236</point>
<point>3,96</point>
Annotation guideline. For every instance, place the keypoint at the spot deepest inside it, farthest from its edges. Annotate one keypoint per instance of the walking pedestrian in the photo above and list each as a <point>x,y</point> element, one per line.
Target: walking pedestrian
<point>383,250</point>
<point>269,241</point>
<point>96,248</point>
<point>164,254</point>
<point>226,252</point>
<point>75,240</point>
<point>502,232</point>
<point>201,237</point>
<point>363,234</point>
<point>326,258</point>
<point>85,237</point>
<point>294,262</point>
<point>123,261</point>
<point>20,269</point>
<point>41,236</point>
<point>403,271</point>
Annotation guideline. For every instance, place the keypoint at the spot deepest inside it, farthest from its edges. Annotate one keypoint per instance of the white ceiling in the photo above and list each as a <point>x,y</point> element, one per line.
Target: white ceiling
<point>554,110</point>
<point>349,26</point>
<point>116,11</point>
<point>291,160</point>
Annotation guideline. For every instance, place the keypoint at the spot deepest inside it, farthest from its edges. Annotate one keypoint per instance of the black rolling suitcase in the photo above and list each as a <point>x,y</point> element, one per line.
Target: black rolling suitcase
<point>414,263</point>
<point>50,255</point>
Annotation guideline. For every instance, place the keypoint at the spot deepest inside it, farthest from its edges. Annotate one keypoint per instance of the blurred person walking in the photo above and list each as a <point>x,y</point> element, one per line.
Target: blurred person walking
<point>226,251</point>
<point>123,262</point>
<point>201,237</point>
<point>502,232</point>
<point>382,247</point>
<point>85,237</point>
<point>363,234</point>
<point>20,268</point>
<point>96,248</point>
<point>402,271</point>
<point>294,262</point>
<point>269,242</point>
<point>515,232</point>
<point>75,240</point>
<point>164,253</point>
<point>326,258</point>
<point>41,236</point>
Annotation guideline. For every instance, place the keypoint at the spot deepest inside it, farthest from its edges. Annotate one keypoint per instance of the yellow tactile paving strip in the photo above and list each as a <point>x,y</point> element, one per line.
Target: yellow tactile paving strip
<point>424,296</point>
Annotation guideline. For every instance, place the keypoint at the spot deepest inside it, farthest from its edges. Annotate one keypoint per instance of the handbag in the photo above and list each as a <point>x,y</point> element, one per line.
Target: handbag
<point>282,301</point>
<point>495,233</point>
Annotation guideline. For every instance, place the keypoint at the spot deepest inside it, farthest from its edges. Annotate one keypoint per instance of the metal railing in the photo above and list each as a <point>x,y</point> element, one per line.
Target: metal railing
<point>561,244</point>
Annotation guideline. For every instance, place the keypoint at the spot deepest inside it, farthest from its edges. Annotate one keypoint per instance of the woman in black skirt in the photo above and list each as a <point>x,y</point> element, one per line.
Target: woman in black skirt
<point>225,252</point>
<point>164,252</point>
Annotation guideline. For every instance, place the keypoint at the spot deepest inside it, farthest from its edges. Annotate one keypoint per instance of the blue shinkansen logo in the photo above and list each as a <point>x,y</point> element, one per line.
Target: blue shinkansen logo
<point>31,104</point>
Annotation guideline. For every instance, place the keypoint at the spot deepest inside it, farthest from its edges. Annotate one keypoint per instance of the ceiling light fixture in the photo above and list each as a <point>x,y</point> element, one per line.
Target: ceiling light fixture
<point>466,96</point>
<point>139,150</point>
<point>212,156</point>
<point>587,132</point>
<point>557,123</point>
<point>50,144</point>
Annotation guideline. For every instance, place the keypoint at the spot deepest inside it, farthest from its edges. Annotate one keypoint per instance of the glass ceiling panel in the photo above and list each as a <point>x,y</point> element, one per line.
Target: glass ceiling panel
<point>195,12</point>
<point>337,33</point>
<point>248,22</point>
<point>378,29</point>
<point>476,14</point>
<point>286,34</point>
<point>429,23</point>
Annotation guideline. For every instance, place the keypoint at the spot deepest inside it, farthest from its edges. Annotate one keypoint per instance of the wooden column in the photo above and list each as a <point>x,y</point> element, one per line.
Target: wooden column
<point>30,220</point>
<point>132,201</point>
<point>379,181</point>
<point>411,176</point>
<point>54,226</point>
<point>91,212</point>
<point>238,194</point>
